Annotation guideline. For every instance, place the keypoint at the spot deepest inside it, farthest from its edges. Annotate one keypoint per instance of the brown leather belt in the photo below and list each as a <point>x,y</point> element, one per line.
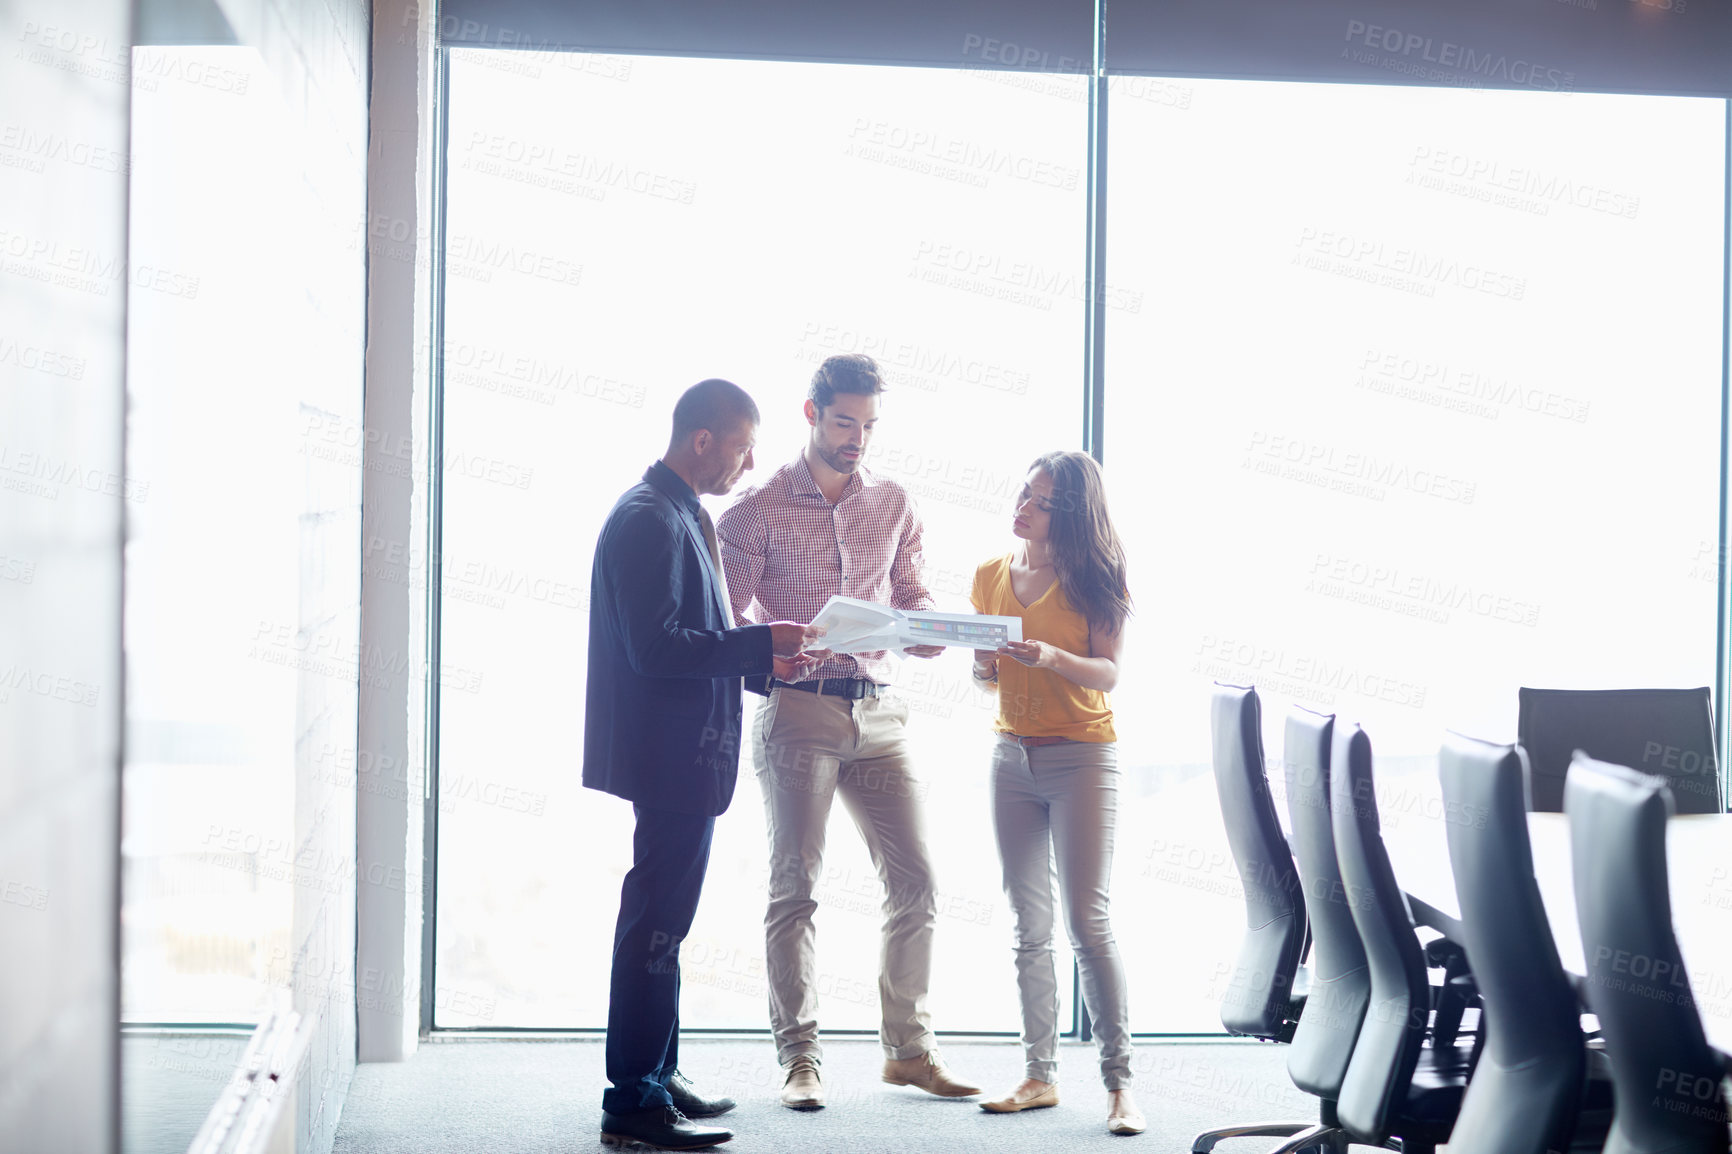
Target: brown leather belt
<point>1029,742</point>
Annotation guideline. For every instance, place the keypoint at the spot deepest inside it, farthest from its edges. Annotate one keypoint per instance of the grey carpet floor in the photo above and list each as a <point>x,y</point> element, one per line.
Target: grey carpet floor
<point>543,1097</point>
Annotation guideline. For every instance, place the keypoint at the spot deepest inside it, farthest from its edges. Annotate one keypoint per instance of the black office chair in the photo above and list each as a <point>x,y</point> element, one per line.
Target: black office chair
<point>1261,1001</point>
<point>1665,1077</point>
<point>1665,732</point>
<point>1397,1085</point>
<point>1527,1092</point>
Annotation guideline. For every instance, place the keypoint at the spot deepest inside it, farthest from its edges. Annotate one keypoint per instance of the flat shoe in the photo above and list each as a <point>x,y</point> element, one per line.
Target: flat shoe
<point>1126,1124</point>
<point>1010,1104</point>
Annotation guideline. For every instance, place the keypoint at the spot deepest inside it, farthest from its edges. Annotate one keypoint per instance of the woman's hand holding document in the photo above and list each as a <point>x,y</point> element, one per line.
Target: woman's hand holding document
<point>854,626</point>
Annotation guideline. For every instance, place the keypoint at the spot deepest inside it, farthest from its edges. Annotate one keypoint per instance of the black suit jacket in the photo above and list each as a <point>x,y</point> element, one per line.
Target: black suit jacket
<point>662,719</point>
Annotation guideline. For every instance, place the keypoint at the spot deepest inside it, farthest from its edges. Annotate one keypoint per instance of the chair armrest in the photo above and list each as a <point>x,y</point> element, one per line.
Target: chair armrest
<point>1447,955</point>
<point>1458,992</point>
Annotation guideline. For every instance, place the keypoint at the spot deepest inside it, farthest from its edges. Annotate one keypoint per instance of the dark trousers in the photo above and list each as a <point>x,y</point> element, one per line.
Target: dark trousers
<point>670,852</point>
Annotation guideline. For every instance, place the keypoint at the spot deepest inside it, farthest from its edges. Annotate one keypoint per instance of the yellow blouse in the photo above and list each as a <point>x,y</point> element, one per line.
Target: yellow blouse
<point>1039,702</point>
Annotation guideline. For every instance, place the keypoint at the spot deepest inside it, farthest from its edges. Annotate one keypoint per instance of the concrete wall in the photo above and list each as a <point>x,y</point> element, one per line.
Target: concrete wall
<point>62,348</point>
<point>63,147</point>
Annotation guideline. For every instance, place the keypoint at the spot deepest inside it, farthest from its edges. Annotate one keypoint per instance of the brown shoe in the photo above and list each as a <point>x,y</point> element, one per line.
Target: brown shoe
<point>928,1073</point>
<point>803,1090</point>
<point>1011,1104</point>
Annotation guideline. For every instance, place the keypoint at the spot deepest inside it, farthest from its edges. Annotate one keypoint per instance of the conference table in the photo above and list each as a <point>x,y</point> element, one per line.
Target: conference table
<point>1699,877</point>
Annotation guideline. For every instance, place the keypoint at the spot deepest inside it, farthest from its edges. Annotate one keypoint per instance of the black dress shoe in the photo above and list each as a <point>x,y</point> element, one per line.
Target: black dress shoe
<point>692,1104</point>
<point>664,1129</point>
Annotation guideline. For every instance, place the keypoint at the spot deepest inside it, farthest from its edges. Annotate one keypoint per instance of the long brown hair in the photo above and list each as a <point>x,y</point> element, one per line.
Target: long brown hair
<point>1086,551</point>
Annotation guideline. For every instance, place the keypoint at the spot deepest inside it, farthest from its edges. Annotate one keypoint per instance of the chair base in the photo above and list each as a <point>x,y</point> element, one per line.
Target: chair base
<point>1302,1137</point>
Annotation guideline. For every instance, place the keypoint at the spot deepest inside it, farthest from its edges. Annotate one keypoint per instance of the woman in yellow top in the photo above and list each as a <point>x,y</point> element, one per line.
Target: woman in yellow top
<point>1055,764</point>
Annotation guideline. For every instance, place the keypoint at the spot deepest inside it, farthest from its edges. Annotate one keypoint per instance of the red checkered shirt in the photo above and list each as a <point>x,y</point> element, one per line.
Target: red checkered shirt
<point>787,551</point>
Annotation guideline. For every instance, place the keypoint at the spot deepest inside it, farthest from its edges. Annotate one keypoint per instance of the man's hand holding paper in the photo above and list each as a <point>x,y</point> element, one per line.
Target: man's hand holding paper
<point>794,653</point>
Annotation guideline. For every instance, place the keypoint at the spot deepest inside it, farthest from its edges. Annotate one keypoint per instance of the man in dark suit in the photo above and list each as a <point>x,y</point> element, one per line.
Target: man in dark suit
<point>662,730</point>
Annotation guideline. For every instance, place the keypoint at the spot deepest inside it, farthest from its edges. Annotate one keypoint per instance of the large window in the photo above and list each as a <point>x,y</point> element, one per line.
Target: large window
<point>618,229</point>
<point>243,552</point>
<point>212,558</point>
<point>1423,405</point>
<point>1412,398</point>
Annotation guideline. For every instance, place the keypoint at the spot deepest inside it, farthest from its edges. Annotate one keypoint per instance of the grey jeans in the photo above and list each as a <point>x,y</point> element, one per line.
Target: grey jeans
<point>1061,802</point>
<point>808,749</point>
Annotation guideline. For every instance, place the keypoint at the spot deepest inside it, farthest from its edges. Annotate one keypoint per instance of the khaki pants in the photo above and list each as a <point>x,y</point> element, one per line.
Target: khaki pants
<point>1055,809</point>
<point>807,749</point>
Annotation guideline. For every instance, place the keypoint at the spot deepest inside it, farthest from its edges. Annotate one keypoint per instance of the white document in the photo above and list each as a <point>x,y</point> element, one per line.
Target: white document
<point>854,626</point>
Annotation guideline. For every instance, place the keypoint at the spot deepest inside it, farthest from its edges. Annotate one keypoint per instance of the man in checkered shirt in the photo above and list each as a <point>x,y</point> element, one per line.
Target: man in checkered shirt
<point>821,526</point>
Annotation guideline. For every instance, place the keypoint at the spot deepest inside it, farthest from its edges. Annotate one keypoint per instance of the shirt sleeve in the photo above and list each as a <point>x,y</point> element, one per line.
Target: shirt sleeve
<point>745,544</point>
<point>646,601</point>
<point>907,572</point>
<point>977,595</point>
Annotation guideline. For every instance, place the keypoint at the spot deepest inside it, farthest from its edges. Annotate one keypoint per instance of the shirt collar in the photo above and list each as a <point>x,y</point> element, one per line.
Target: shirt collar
<point>673,485</point>
<point>804,482</point>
